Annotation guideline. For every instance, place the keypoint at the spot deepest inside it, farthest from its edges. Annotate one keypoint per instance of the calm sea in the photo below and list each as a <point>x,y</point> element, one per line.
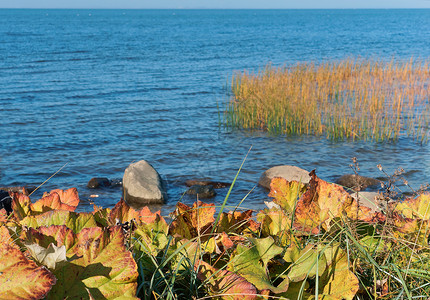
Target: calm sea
<point>99,89</point>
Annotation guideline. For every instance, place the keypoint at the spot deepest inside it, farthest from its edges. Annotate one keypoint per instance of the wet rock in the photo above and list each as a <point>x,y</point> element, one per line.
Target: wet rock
<point>214,184</point>
<point>5,201</point>
<point>142,185</point>
<point>357,182</point>
<point>116,182</point>
<point>288,172</point>
<point>26,190</point>
<point>98,182</point>
<point>202,191</point>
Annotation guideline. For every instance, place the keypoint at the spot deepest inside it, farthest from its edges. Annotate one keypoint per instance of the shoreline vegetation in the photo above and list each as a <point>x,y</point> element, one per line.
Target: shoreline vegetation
<point>348,99</point>
<point>315,241</point>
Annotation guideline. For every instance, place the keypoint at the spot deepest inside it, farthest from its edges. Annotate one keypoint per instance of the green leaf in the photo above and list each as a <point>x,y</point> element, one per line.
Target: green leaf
<point>305,264</point>
<point>102,269</point>
<point>251,264</point>
<point>73,220</point>
<point>151,237</point>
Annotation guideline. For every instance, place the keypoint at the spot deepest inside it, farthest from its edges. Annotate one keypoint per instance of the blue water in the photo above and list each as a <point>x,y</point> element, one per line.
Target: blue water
<point>99,89</point>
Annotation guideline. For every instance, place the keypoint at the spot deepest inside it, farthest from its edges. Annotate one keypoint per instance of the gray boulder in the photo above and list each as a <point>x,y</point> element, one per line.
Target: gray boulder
<point>288,172</point>
<point>372,200</point>
<point>142,185</point>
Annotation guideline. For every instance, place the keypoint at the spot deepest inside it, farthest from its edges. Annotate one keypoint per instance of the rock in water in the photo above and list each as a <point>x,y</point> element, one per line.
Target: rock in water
<point>202,191</point>
<point>97,182</point>
<point>5,201</point>
<point>288,172</point>
<point>357,182</point>
<point>142,185</point>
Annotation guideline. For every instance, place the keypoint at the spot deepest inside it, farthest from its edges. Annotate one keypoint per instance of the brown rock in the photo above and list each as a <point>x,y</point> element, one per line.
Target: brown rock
<point>357,182</point>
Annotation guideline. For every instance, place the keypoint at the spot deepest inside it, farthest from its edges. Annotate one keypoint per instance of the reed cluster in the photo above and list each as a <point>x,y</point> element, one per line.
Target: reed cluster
<point>353,98</point>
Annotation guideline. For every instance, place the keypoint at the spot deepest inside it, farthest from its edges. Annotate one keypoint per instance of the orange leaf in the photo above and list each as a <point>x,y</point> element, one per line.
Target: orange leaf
<point>192,221</point>
<point>20,205</point>
<point>69,196</point>
<point>321,203</point>
<point>122,213</point>
<point>50,202</point>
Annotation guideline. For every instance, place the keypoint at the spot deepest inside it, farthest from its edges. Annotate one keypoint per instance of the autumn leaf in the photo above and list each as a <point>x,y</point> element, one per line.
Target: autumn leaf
<point>20,205</point>
<point>151,237</point>
<point>305,264</point>
<point>73,220</point>
<point>50,257</point>
<point>286,193</point>
<point>321,203</point>
<point>235,222</point>
<point>123,213</point>
<point>69,197</point>
<point>225,284</point>
<point>59,235</point>
<point>50,202</point>
<point>21,278</point>
<point>418,207</point>
<point>102,269</point>
<point>338,282</point>
<point>190,222</point>
<point>275,223</point>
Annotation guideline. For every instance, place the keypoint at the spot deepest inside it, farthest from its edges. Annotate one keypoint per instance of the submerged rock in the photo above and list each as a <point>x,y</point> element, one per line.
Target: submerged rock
<point>97,182</point>
<point>5,201</point>
<point>357,182</point>
<point>288,172</point>
<point>26,190</point>
<point>214,184</point>
<point>142,185</point>
<point>202,191</point>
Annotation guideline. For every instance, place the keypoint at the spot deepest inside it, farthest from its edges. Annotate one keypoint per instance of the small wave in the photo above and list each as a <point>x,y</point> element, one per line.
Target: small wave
<point>195,93</point>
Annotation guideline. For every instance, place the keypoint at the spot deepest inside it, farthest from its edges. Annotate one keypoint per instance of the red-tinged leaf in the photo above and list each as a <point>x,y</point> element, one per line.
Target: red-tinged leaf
<point>102,216</point>
<point>151,237</point>
<point>122,213</point>
<point>73,220</point>
<point>3,216</point>
<point>49,202</point>
<point>321,203</point>
<point>56,234</point>
<point>20,205</point>
<point>103,269</point>
<point>286,193</point>
<point>224,284</point>
<point>69,196</point>
<point>418,207</point>
<point>224,241</point>
<point>190,222</point>
<point>21,278</point>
